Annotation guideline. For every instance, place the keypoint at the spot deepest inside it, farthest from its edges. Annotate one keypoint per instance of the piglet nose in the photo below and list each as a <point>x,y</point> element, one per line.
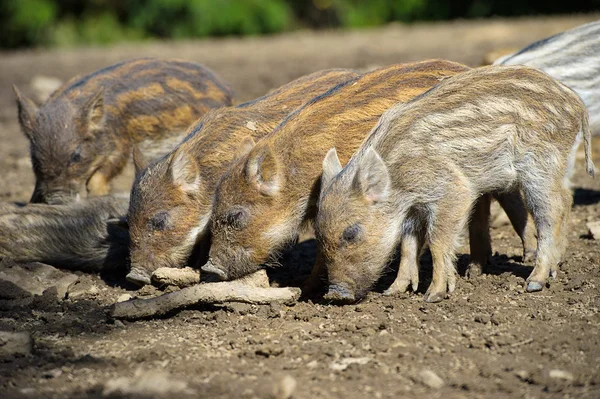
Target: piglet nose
<point>339,293</point>
<point>138,276</point>
<point>211,268</point>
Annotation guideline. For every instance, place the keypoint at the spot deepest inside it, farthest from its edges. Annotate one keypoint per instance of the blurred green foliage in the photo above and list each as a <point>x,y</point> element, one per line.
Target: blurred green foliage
<point>25,23</point>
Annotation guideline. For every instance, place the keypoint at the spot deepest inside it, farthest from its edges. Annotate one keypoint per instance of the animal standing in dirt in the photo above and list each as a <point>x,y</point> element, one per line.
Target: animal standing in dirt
<point>571,57</point>
<point>75,236</point>
<point>264,199</point>
<point>82,136</point>
<point>419,173</point>
<point>171,199</point>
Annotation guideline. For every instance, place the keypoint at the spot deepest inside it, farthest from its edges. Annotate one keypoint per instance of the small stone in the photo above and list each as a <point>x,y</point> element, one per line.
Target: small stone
<point>153,383</point>
<point>285,387</point>
<point>431,379</point>
<point>14,344</point>
<point>343,364</point>
<point>269,350</point>
<point>482,318</point>
<point>312,364</point>
<point>54,373</point>
<point>561,375</point>
<point>178,277</point>
<point>522,375</point>
<point>123,297</point>
<point>119,324</point>
<point>594,228</point>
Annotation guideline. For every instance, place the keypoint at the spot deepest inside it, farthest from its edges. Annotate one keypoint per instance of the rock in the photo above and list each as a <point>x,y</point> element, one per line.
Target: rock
<point>284,388</point>
<point>123,297</point>
<point>342,364</point>
<point>430,379</point>
<point>561,375</point>
<point>594,228</point>
<point>44,86</point>
<point>36,278</point>
<point>82,288</point>
<point>54,373</point>
<point>269,350</point>
<point>13,344</point>
<point>178,277</point>
<point>147,383</point>
<point>482,318</point>
<point>523,375</point>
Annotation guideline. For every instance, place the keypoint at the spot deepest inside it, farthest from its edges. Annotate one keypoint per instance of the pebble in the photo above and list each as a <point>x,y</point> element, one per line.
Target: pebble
<point>285,387</point>
<point>561,375</point>
<point>431,379</point>
<point>594,228</point>
<point>123,297</point>
<point>14,344</point>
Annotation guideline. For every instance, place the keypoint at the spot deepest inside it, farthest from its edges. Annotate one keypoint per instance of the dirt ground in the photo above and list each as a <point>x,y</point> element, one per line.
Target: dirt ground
<point>489,340</point>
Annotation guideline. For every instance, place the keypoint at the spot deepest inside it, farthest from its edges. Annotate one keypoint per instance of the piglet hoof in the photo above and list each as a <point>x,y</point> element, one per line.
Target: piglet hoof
<point>534,286</point>
<point>434,296</point>
<point>339,294</point>
<point>399,286</point>
<point>474,270</point>
<point>138,276</point>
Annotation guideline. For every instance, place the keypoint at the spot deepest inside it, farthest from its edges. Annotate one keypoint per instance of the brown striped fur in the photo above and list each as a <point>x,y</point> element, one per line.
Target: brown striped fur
<point>171,199</point>
<point>83,135</point>
<point>428,162</point>
<point>265,197</point>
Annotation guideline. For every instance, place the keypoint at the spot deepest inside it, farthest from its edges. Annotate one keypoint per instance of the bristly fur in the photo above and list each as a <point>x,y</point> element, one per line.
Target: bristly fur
<point>571,57</point>
<point>82,136</point>
<point>74,236</point>
<point>429,162</point>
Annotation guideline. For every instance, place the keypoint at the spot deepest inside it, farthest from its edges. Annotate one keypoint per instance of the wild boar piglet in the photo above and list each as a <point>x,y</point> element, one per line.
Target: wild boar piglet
<point>82,136</point>
<point>171,199</point>
<point>416,177</point>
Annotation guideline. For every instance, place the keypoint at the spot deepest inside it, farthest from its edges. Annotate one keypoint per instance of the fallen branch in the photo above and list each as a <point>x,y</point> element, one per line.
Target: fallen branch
<point>249,290</point>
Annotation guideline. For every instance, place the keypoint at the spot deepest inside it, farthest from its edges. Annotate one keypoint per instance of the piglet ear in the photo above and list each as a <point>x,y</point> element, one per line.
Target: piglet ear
<point>93,111</point>
<point>331,167</point>
<point>262,171</point>
<point>372,179</point>
<point>245,147</point>
<point>27,111</point>
<point>139,161</point>
<point>184,172</point>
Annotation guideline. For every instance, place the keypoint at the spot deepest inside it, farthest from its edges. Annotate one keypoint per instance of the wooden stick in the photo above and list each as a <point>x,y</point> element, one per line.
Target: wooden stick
<point>226,291</point>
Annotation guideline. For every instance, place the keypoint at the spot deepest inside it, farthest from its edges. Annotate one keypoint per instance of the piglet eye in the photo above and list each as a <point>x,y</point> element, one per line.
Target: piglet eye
<point>236,218</point>
<point>351,234</point>
<point>75,156</point>
<point>160,221</point>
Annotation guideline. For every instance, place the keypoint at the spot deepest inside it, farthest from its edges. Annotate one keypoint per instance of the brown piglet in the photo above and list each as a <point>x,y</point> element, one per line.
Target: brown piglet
<point>82,136</point>
<point>171,199</point>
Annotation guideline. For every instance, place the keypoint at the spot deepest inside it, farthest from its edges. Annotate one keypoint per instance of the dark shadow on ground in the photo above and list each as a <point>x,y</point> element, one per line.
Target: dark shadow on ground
<point>584,196</point>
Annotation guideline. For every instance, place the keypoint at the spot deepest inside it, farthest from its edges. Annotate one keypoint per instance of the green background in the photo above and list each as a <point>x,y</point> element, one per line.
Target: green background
<point>27,23</point>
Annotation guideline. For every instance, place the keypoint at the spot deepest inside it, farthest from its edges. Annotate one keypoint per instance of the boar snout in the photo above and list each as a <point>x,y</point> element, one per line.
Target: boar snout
<point>340,293</point>
<point>213,269</point>
<point>138,276</point>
